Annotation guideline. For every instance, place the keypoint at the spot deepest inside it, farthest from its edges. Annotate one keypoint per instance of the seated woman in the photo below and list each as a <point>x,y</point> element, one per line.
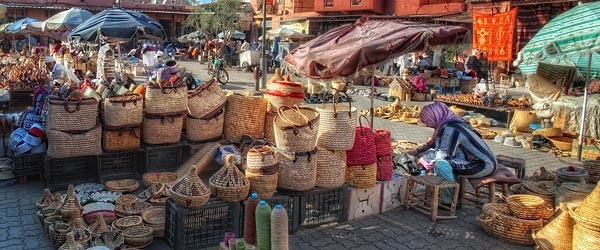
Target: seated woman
<point>456,149</point>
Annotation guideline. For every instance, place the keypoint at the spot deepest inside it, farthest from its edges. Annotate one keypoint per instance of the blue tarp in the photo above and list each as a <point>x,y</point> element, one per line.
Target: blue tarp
<point>16,26</point>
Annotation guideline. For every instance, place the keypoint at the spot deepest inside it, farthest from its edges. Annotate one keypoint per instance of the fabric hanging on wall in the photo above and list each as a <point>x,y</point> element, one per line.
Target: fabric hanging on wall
<point>494,33</point>
<point>530,19</point>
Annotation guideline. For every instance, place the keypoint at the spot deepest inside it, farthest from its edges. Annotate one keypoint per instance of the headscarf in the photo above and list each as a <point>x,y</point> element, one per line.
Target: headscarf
<point>436,115</point>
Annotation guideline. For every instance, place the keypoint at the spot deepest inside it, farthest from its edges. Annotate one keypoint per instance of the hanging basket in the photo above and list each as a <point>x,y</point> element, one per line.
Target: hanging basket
<point>331,168</point>
<point>203,130</point>
<point>362,176</point>
<point>497,221</point>
<point>123,111</point>
<point>297,171</point>
<point>296,129</point>
<point>162,129</point>
<point>205,100</point>
<point>337,125</point>
<point>171,99</point>
<point>229,183</point>
<point>189,190</point>
<point>244,115</point>
<point>364,148</point>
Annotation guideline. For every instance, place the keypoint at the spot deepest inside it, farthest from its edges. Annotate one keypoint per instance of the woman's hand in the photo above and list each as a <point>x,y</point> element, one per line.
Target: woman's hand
<point>410,151</point>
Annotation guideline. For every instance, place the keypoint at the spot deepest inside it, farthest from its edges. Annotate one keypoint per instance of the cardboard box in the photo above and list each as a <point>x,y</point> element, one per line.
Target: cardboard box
<point>393,192</point>
<point>590,151</point>
<point>363,202</point>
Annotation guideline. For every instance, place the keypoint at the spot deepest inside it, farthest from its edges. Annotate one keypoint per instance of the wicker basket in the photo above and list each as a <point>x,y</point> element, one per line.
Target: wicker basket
<point>57,233</point>
<point>127,222</point>
<point>364,148</point>
<point>126,139</point>
<point>45,200</point>
<point>48,221</point>
<point>75,143</point>
<point>331,168</point>
<point>70,206</point>
<point>162,129</point>
<point>573,193</point>
<point>362,176</point>
<point>123,185</point>
<point>543,189</point>
<point>71,244</point>
<point>139,236</point>
<point>585,238</point>
<point>296,129</point>
<point>269,129</point>
<point>206,99</point>
<point>127,199</point>
<point>297,171</point>
<point>244,115</point>
<point>123,111</point>
<point>202,130</point>
<point>110,239</point>
<point>262,184</point>
<point>527,207</point>
<point>132,209</point>
<point>71,114</point>
<point>562,143</point>
<point>337,123</point>
<point>260,156</point>
<point>262,170</point>
<point>82,234</point>
<point>229,183</point>
<point>593,168</point>
<point>169,100</point>
<point>189,190</point>
<point>151,179</point>
<point>155,217</point>
<point>157,190</point>
<point>99,227</point>
<point>587,212</point>
<point>521,120</point>
<point>558,234</point>
<point>497,221</point>
<point>285,93</point>
<point>549,132</point>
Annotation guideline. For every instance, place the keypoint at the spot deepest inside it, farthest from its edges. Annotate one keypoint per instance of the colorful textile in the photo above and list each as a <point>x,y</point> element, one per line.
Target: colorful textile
<point>494,33</point>
<point>530,19</point>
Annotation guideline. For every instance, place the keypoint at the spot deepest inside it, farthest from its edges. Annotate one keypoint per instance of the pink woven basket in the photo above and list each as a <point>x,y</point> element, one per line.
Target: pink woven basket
<point>363,150</point>
<point>383,142</point>
<point>385,168</point>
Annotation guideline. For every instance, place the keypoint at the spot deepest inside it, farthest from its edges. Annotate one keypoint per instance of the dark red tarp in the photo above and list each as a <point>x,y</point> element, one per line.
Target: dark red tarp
<point>349,48</point>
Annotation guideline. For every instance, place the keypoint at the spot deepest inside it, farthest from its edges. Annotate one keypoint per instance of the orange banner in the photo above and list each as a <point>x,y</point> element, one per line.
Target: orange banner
<point>494,33</point>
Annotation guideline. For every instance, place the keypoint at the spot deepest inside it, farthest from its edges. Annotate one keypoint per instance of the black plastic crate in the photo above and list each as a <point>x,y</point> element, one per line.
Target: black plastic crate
<point>120,165</point>
<point>59,173</point>
<point>29,164</point>
<point>195,228</point>
<point>164,158</point>
<point>291,205</point>
<point>515,163</point>
<point>322,206</point>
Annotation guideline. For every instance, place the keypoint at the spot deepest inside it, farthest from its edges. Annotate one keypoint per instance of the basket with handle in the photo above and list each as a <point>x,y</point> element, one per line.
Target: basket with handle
<point>189,190</point>
<point>162,129</point>
<point>202,130</point>
<point>331,168</point>
<point>168,99</point>
<point>123,111</point>
<point>297,170</point>
<point>296,128</point>
<point>244,115</point>
<point>364,149</point>
<point>385,167</point>
<point>124,139</point>
<point>229,183</point>
<point>262,170</point>
<point>527,207</point>
<point>337,124</point>
<point>70,114</point>
<point>362,176</point>
<point>205,99</point>
<point>497,221</point>
<point>67,144</point>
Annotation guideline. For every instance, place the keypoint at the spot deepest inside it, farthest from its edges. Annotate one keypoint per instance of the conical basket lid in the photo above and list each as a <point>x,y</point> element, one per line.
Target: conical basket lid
<point>578,187</point>
<point>229,175</point>
<point>100,225</point>
<point>588,211</point>
<point>190,184</point>
<point>558,233</point>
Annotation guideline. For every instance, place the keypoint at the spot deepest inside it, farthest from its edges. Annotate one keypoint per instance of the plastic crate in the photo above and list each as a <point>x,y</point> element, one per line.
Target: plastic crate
<point>195,228</point>
<point>119,165</point>
<point>322,206</point>
<point>291,205</point>
<point>59,173</point>
<point>164,158</point>
<point>29,164</point>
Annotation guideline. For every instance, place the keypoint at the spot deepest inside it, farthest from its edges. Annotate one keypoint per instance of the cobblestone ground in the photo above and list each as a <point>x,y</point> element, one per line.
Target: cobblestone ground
<point>395,229</point>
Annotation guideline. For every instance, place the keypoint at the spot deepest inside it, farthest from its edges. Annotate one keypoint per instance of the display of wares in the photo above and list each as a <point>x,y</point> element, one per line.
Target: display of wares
<point>123,186</point>
<point>132,209</point>
<point>105,196</point>
<point>89,188</point>
<point>82,197</point>
<point>127,222</point>
<point>92,210</point>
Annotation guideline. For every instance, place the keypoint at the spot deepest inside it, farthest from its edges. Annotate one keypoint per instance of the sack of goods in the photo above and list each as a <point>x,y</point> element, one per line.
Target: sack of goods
<point>336,125</point>
<point>285,93</point>
<point>206,100</point>
<point>229,183</point>
<point>296,128</point>
<point>162,129</point>
<point>244,115</point>
<point>262,171</point>
<point>205,129</point>
<point>168,96</point>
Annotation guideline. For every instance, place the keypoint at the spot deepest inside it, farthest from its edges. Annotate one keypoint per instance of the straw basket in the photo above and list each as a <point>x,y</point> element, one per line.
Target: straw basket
<point>206,99</point>
<point>331,168</point>
<point>201,130</point>
<point>562,143</point>
<point>588,210</point>
<point>48,221</point>
<point>573,193</point>
<point>269,129</point>
<point>244,116</point>
<point>385,167</point>
<point>585,238</point>
<point>110,239</point>
<point>260,157</point>
<point>71,114</point>
<point>57,233</point>
<point>125,200</point>
<point>364,148</point>
<point>139,236</point>
<point>262,170</point>
<point>132,209</point>
<point>123,111</point>
<point>123,185</point>
<point>337,124</point>
<point>549,132</point>
<point>497,221</point>
<point>297,171</point>
<point>126,139</point>
<point>70,206</point>
<point>189,190</point>
<point>285,93</point>
<point>155,217</point>
<point>296,129</point>
<point>521,120</point>
<point>99,227</point>
<point>151,179</point>
<point>127,222</point>
<point>543,189</point>
<point>263,184</point>
<point>527,207</point>
<point>558,234</point>
<point>383,142</point>
<point>229,183</point>
<point>593,168</point>
<point>162,129</point>
<point>67,144</point>
<point>362,176</point>
<point>172,99</point>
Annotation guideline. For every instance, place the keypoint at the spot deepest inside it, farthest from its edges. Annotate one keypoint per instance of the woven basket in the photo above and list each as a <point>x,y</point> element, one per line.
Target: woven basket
<point>71,114</point>
<point>71,244</point>
<point>244,116</point>
<point>202,130</point>
<point>229,183</point>
<point>562,143</point>
<point>206,99</point>
<point>262,170</point>
<point>127,222</point>
<point>285,93</point>
<point>57,233</point>
<point>269,129</point>
<point>497,221</point>
<point>588,210</point>
<point>549,132</point>
<point>139,236</point>
<point>543,189</point>
<point>162,129</point>
<point>264,185</point>
<point>364,148</point>
<point>331,168</point>
<point>99,227</point>
<point>45,200</point>
<point>127,199</point>
<point>155,217</point>
<point>259,157</point>
<point>362,176</point>
<point>151,179</point>
<point>385,167</point>
<point>201,159</point>
<point>110,239</point>
<point>126,139</point>
<point>122,186</point>
<point>73,144</point>
<point>573,193</point>
<point>70,206</point>
<point>521,120</point>
<point>189,190</point>
<point>337,124</point>
<point>168,100</point>
<point>48,221</point>
<point>132,209</point>
<point>383,142</point>
<point>527,207</point>
<point>558,234</point>
<point>585,238</point>
<point>297,171</point>
<point>593,168</point>
<point>123,111</point>
<point>296,129</point>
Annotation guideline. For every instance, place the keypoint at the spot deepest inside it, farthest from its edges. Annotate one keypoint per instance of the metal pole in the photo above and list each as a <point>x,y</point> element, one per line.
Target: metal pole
<point>371,110</point>
<point>585,100</point>
<point>263,59</point>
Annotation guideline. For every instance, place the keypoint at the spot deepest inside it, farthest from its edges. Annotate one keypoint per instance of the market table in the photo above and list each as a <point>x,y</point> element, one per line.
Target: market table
<point>496,110</point>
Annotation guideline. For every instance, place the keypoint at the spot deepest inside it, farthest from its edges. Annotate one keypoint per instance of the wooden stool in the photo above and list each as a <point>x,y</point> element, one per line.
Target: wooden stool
<point>428,202</point>
<point>490,192</point>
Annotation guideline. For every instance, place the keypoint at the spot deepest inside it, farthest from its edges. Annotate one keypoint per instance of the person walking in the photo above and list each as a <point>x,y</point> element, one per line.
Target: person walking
<point>483,70</point>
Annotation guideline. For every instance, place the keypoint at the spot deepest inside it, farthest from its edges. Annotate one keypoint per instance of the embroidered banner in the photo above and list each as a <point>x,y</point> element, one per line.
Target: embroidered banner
<point>494,33</point>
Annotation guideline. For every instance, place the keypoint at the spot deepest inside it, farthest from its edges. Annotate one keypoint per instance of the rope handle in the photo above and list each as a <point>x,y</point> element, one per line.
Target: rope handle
<point>201,88</point>
<point>336,94</point>
<point>366,119</point>
<point>131,131</point>
<point>78,105</point>
<point>126,99</point>
<point>296,125</point>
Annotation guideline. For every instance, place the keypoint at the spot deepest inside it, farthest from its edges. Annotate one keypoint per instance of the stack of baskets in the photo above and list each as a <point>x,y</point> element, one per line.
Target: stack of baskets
<point>586,233</point>
<point>205,118</point>
<point>123,117</point>
<point>262,171</point>
<point>385,165</point>
<point>515,221</point>
<point>361,171</point>
<point>545,190</point>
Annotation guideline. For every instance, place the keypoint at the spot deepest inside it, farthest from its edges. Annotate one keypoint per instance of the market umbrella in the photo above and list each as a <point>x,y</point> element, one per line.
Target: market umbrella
<point>572,38</point>
<point>67,20</point>
<point>195,36</point>
<point>118,25</point>
<point>232,35</point>
<point>286,33</point>
<point>17,26</point>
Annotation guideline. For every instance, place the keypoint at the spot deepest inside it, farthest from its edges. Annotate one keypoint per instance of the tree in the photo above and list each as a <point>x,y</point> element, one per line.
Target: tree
<point>216,17</point>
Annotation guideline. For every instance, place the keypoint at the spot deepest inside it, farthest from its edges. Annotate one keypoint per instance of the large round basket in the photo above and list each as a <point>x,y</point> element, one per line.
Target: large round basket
<point>189,191</point>
<point>558,234</point>
<point>497,221</point>
<point>127,222</point>
<point>229,183</point>
<point>123,186</point>
<point>155,217</point>
<point>140,236</point>
<point>543,189</point>
<point>111,239</point>
<point>132,209</point>
<point>151,179</point>
<point>331,168</point>
<point>285,93</point>
<point>297,171</point>
<point>296,129</point>
<point>362,176</point>
<point>527,207</point>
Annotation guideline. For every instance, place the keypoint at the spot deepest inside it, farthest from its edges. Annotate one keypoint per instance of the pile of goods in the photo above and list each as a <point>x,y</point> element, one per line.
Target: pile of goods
<point>25,74</point>
<point>398,113</point>
<point>491,99</point>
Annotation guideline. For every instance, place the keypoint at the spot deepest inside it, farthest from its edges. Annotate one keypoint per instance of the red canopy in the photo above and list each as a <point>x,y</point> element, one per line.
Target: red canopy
<point>349,48</point>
